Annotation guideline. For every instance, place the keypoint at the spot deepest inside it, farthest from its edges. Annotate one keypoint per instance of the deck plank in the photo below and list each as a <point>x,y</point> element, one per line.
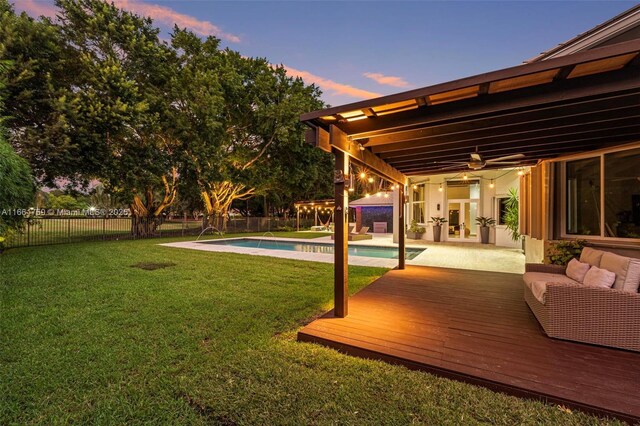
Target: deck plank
<point>474,326</point>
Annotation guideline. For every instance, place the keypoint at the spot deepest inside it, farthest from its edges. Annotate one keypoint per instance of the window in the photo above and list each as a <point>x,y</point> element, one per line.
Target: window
<point>602,195</point>
<point>417,203</point>
<point>622,194</point>
<point>501,210</point>
<point>583,196</point>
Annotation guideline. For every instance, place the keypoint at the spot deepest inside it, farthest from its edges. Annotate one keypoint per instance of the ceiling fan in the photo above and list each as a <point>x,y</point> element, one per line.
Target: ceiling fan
<point>477,162</point>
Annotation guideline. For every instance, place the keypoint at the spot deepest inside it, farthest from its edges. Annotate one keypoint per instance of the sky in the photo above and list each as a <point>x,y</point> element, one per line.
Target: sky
<point>355,50</point>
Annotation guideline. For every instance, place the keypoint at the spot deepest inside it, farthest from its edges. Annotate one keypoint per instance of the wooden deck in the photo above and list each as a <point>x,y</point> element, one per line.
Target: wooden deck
<point>475,327</point>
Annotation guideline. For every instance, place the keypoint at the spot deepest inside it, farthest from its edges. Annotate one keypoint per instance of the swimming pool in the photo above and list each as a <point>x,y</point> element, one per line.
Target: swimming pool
<point>307,247</point>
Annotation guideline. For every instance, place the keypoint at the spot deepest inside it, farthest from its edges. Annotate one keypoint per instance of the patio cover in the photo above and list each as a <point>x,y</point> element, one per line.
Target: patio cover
<point>570,104</point>
<point>566,105</point>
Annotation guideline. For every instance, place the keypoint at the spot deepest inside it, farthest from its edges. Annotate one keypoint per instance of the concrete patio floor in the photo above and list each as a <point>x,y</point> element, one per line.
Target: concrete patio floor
<point>473,256</point>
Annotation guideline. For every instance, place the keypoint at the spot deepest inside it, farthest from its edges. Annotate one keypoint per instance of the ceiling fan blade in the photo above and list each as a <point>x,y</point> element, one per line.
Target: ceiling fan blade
<point>506,157</point>
<point>476,157</point>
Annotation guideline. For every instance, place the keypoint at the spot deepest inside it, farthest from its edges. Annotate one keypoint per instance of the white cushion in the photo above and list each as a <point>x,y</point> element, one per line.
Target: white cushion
<point>539,290</point>
<point>597,277</point>
<point>576,270</point>
<point>591,256</point>
<point>530,277</point>
<point>627,271</point>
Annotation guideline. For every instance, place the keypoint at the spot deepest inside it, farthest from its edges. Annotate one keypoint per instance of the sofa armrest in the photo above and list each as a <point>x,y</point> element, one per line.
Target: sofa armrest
<point>541,267</point>
<point>596,315</point>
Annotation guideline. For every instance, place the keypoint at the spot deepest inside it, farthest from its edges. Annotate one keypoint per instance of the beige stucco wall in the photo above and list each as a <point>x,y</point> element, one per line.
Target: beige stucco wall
<point>435,200</point>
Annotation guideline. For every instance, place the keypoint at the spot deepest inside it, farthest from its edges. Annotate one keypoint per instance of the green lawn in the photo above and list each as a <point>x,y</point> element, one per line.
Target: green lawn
<point>87,338</point>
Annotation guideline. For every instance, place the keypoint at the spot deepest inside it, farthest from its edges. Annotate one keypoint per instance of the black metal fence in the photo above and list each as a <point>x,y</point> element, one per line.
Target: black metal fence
<point>60,229</point>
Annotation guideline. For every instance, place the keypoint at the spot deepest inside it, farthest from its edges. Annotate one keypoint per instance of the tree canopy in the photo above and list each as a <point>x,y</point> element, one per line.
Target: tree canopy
<point>96,94</point>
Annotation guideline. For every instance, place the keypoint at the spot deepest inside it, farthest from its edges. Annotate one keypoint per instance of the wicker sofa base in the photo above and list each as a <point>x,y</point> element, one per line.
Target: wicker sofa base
<point>592,315</point>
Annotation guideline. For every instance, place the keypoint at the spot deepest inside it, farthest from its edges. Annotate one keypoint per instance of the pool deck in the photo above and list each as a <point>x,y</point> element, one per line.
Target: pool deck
<point>474,256</point>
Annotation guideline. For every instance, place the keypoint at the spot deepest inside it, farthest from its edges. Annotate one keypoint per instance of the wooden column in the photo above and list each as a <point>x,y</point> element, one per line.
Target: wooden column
<point>401,228</point>
<point>298,219</point>
<point>341,274</point>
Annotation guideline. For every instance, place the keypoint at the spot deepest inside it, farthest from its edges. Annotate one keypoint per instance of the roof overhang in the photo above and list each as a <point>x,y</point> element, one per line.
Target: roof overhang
<point>570,104</point>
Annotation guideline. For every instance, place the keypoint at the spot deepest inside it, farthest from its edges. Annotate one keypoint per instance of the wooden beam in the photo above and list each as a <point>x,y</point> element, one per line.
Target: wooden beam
<point>562,91</point>
<point>625,127</point>
<point>618,105</point>
<point>341,231</point>
<point>401,228</point>
<point>339,141</point>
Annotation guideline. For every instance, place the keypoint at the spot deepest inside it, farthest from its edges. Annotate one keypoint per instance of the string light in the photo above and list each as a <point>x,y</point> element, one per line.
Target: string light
<point>520,172</point>
<point>351,189</point>
<point>370,180</point>
<point>363,175</point>
<point>386,195</point>
<point>378,194</point>
<point>415,186</point>
<point>367,195</point>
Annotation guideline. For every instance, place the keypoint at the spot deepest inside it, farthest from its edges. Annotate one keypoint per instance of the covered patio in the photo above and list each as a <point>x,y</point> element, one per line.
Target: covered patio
<point>470,325</point>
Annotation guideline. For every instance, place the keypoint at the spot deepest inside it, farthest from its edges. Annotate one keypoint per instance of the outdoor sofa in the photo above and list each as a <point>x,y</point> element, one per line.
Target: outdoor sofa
<point>570,310</point>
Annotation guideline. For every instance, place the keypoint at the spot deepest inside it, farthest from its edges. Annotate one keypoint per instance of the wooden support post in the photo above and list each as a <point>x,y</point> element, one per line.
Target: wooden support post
<point>315,221</point>
<point>341,270</point>
<point>298,219</point>
<point>401,228</point>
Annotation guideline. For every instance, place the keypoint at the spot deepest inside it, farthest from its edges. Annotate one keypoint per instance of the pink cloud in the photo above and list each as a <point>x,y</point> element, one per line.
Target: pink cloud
<point>169,16</point>
<point>387,80</point>
<point>36,8</point>
<point>158,13</point>
<point>331,86</point>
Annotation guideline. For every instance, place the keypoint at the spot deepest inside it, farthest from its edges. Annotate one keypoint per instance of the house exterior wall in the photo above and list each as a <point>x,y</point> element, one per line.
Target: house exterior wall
<point>553,196</point>
<point>435,200</point>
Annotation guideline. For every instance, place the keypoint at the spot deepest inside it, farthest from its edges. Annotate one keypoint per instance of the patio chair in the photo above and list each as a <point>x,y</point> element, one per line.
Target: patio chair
<point>360,235</point>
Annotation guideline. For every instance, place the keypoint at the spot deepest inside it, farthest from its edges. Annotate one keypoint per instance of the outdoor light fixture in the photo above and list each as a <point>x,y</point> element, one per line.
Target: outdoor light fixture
<point>367,195</point>
<point>415,186</point>
<point>465,177</point>
<point>386,195</point>
<point>370,180</point>
<point>440,189</point>
<point>378,194</point>
<point>351,189</point>
<point>363,175</point>
<point>491,185</point>
<point>520,172</point>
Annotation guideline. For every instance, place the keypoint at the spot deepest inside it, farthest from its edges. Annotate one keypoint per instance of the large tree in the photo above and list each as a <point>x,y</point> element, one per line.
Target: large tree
<point>233,114</point>
<point>87,96</point>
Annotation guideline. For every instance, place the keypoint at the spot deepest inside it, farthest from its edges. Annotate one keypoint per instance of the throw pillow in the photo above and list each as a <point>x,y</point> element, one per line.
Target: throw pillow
<point>576,270</point>
<point>597,277</point>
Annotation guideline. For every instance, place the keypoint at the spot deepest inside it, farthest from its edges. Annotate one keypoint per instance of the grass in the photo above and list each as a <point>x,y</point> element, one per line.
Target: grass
<point>208,339</point>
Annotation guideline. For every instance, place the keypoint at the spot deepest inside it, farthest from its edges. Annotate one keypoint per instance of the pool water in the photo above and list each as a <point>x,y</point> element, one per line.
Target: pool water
<point>354,250</point>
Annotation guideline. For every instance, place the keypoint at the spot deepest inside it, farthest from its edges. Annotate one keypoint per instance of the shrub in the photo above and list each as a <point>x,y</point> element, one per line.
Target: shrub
<point>17,190</point>
<point>561,252</point>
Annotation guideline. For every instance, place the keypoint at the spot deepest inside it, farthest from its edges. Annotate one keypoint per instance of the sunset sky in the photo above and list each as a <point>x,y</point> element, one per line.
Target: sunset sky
<point>357,50</point>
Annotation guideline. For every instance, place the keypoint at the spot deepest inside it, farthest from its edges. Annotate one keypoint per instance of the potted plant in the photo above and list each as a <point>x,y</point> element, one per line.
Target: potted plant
<point>485,223</point>
<point>415,232</point>
<point>437,227</point>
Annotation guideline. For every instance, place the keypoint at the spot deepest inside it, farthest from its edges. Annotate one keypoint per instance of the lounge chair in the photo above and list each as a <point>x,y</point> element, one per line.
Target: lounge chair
<point>357,236</point>
<point>360,235</point>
